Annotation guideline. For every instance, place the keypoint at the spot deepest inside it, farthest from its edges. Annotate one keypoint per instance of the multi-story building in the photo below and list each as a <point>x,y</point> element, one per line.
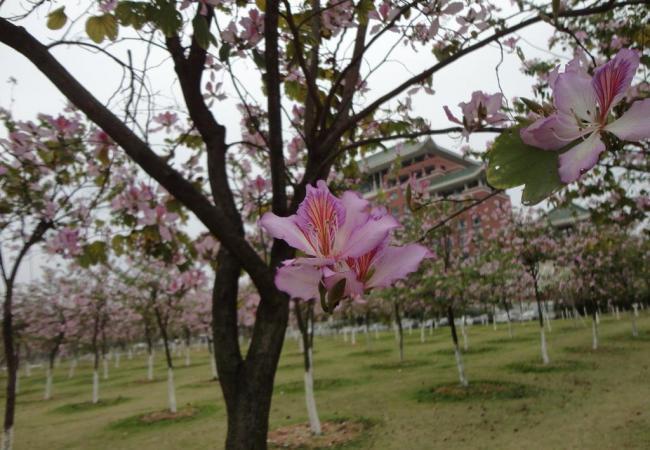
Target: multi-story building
<point>444,174</point>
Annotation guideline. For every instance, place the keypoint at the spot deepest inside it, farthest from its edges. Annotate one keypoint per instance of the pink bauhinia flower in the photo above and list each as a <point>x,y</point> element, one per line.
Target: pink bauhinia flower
<point>583,105</point>
<point>342,239</point>
<point>482,108</point>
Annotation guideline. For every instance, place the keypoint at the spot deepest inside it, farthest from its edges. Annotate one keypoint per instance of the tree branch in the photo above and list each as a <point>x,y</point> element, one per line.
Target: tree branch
<point>212,216</point>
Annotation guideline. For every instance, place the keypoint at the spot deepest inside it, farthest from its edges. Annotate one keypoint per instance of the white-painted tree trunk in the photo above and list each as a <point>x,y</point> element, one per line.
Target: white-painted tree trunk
<point>73,366</point>
<point>464,333</point>
<point>635,331</point>
<point>95,386</point>
<point>187,356</point>
<point>509,327</point>
<point>547,319</point>
<point>636,309</point>
<point>545,358</point>
<point>213,365</point>
<point>117,360</point>
<point>105,364</point>
<point>354,336</point>
<point>396,332</point>
<point>48,383</point>
<point>460,366</point>
<point>310,400</point>
<point>7,439</point>
<point>494,318</point>
<point>594,333</point>
<point>171,390</point>
<point>422,334</point>
<point>150,367</point>
<point>597,318</point>
<point>617,313</point>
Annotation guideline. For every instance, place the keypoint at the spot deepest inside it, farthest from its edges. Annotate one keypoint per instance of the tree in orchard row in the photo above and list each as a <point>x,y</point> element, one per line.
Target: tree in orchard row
<point>46,311</point>
<point>333,106</point>
<point>54,173</point>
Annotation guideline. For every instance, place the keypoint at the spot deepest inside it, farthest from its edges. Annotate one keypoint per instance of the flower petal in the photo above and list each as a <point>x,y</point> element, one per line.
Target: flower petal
<point>395,263</point>
<point>369,235</point>
<point>357,212</point>
<point>634,125</point>
<point>574,95</point>
<point>299,281</point>
<point>450,116</point>
<point>287,229</point>
<point>320,215</point>
<point>580,158</point>
<point>552,132</point>
<point>611,80</point>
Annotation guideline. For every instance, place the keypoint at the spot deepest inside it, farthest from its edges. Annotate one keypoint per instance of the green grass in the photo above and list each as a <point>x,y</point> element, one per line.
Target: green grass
<point>477,390</point>
<point>584,399</point>
<point>74,408</point>
<point>565,365</point>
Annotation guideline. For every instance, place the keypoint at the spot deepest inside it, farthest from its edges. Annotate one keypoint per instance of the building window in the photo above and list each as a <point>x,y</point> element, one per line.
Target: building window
<point>429,169</point>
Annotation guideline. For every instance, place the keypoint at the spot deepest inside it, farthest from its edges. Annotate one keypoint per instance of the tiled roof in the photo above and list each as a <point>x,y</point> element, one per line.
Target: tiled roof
<point>384,158</point>
<point>567,215</point>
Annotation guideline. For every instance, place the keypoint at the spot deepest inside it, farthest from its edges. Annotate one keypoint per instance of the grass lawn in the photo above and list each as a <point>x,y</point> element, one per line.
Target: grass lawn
<point>584,400</point>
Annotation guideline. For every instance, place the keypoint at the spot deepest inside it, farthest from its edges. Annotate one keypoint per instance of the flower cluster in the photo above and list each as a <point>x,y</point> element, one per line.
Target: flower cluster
<point>480,110</point>
<point>345,243</point>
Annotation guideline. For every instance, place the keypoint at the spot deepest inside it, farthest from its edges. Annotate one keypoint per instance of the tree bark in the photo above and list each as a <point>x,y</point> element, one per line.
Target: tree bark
<point>457,354</point>
<point>247,384</point>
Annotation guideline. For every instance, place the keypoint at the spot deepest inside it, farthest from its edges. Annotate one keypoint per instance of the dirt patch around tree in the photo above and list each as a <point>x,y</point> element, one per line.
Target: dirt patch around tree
<point>335,433</point>
<point>161,416</point>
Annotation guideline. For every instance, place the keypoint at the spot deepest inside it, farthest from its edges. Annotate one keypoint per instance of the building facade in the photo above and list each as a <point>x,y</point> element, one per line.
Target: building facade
<point>445,175</point>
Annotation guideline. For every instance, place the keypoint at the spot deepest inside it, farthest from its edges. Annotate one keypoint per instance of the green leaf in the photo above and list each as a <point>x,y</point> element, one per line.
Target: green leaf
<point>94,253</point>
<point>57,19</point>
<point>201,31</point>
<point>100,27</point>
<point>512,163</point>
<point>224,52</point>
<point>168,19</point>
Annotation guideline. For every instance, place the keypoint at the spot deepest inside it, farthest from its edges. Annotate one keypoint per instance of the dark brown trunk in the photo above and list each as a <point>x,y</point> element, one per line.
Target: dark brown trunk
<point>400,331</point>
<point>162,325</point>
<point>11,358</point>
<point>452,325</point>
<point>247,384</point>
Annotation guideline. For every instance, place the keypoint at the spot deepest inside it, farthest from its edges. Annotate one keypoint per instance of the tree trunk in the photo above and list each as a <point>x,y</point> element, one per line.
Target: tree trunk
<point>171,390</point>
<point>247,384</point>
<point>464,333</point>
<point>509,321</point>
<point>459,358</point>
<point>305,325</point>
<point>95,386</point>
<point>545,359</point>
<point>11,359</point>
<point>400,330</point>
<point>594,326</point>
